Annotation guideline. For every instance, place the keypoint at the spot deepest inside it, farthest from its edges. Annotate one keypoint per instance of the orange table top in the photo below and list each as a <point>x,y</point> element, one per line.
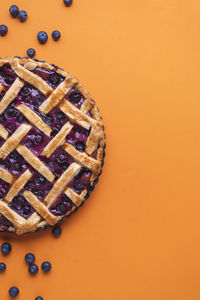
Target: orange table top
<point>138,236</point>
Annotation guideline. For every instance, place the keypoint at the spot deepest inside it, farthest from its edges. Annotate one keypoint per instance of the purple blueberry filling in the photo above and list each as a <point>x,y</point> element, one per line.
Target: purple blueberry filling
<point>7,76</point>
<point>39,186</point>
<point>4,188</point>
<point>21,206</point>
<point>36,141</point>
<point>30,96</point>
<point>11,119</point>
<point>61,206</point>
<point>5,223</point>
<point>78,137</point>
<point>58,120</point>
<point>81,181</point>
<point>58,162</point>
<point>75,97</point>
<point>50,76</point>
<point>14,163</point>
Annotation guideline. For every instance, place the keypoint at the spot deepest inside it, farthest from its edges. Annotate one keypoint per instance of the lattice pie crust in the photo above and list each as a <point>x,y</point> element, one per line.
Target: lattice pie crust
<point>46,167</point>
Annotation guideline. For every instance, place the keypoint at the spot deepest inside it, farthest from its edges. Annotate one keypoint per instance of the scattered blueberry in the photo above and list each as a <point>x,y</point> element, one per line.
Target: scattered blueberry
<point>38,298</point>
<point>68,2</point>
<point>57,231</point>
<point>33,268</point>
<point>14,11</point>
<point>23,15</point>
<point>31,52</point>
<point>13,291</point>
<point>42,37</point>
<point>2,267</point>
<point>56,35</point>
<point>30,258</point>
<point>3,30</point>
<point>46,266</point>
<point>6,248</point>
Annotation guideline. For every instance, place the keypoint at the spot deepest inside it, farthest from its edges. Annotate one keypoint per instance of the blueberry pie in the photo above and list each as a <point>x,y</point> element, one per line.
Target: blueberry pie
<point>51,144</point>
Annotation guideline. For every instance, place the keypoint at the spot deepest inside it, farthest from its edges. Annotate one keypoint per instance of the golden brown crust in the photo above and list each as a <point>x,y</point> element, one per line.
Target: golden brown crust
<point>57,140</point>
<point>41,209</point>
<point>6,176</point>
<point>61,183</point>
<point>34,119</point>
<point>75,198</point>
<point>3,132</point>
<point>87,116</point>
<point>57,95</point>
<point>18,185</point>
<point>83,159</point>
<point>29,77</point>
<point>35,162</point>
<point>11,94</point>
<point>14,140</point>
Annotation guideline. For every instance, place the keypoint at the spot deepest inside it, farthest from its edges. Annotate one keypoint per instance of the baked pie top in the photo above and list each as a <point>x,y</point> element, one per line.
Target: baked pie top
<point>51,144</point>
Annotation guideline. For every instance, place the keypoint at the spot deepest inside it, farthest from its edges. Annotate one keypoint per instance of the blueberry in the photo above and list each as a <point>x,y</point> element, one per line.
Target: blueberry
<point>30,186</point>
<point>29,144</point>
<point>56,231</point>
<point>6,248</point>
<point>79,186</point>
<point>75,97</point>
<point>5,164</point>
<point>17,167</point>
<point>31,52</point>
<point>51,165</point>
<point>26,209</point>
<point>13,291</point>
<point>47,119</point>
<point>80,146</point>
<point>30,258</point>
<point>20,119</point>
<point>38,139</point>
<point>62,158</point>
<point>11,113</point>
<point>19,200</point>
<point>54,79</point>
<point>40,180</point>
<point>60,116</point>
<point>33,269</point>
<point>68,2</point>
<point>14,11</point>
<point>25,91</point>
<point>61,208</point>
<point>39,193</point>
<point>56,35</point>
<point>9,79</point>
<point>3,30</point>
<point>14,155</point>
<point>2,267</point>
<point>42,37</point>
<point>46,266</point>
<point>23,15</point>
<point>38,99</point>
<point>38,298</point>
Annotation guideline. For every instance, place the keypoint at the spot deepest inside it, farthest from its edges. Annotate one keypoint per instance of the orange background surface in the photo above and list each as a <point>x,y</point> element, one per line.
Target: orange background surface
<point>138,236</point>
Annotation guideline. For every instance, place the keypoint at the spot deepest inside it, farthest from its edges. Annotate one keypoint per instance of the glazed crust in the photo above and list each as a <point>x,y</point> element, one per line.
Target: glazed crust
<point>87,116</point>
